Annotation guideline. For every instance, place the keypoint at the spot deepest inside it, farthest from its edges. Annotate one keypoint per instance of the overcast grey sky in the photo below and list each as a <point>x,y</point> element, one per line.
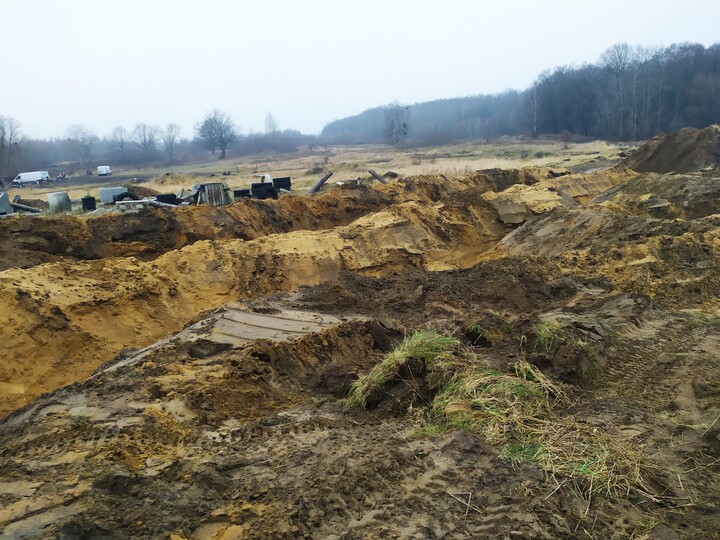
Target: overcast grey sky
<point>103,63</point>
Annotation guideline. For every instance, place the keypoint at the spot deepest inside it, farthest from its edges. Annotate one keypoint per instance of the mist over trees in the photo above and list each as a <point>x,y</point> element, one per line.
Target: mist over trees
<point>80,150</point>
<point>631,93</point>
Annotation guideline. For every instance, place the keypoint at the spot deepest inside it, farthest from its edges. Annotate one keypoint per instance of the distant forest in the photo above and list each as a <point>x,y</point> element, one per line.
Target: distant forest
<point>631,93</point>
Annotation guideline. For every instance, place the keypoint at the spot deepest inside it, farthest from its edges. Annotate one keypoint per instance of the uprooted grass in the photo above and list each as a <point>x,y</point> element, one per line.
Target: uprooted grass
<point>486,327</point>
<point>549,336</point>
<point>519,411</point>
<point>426,346</point>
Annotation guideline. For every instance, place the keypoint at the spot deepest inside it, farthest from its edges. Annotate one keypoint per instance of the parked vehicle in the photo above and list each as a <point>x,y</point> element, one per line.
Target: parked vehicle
<point>104,170</point>
<point>34,177</point>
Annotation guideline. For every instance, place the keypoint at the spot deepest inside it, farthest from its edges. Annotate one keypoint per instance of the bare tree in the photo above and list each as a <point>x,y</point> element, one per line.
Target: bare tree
<point>9,135</point>
<point>81,140</point>
<point>532,107</point>
<point>271,125</point>
<point>618,60</point>
<point>170,138</point>
<point>217,130</point>
<point>396,124</point>
<point>145,136</point>
<point>119,137</point>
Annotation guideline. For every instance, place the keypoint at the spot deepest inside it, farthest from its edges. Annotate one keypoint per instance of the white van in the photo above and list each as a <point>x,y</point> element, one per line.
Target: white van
<point>104,170</point>
<point>35,177</point>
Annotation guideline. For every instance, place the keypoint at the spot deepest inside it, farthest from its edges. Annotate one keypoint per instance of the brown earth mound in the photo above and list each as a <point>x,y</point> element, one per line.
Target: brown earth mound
<point>668,196</point>
<point>587,330</point>
<point>673,262</point>
<point>684,151</point>
<point>83,313</point>
<point>27,241</point>
<point>141,191</point>
<point>199,441</point>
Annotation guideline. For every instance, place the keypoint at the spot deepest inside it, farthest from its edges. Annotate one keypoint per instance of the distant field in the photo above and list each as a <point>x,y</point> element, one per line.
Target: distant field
<point>349,162</point>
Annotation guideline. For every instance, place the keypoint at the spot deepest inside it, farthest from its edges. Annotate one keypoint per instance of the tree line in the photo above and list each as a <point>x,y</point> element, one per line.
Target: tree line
<point>631,93</point>
<point>80,149</point>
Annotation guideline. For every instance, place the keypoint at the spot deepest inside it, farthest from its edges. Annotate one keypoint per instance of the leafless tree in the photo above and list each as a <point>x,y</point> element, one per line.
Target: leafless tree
<point>217,130</point>
<point>618,60</point>
<point>81,140</point>
<point>271,125</point>
<point>119,137</point>
<point>396,120</point>
<point>9,135</point>
<point>533,101</point>
<point>170,138</point>
<point>145,136</point>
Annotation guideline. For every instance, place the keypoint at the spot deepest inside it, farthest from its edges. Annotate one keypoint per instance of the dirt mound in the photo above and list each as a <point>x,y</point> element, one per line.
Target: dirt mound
<point>668,196</point>
<point>673,262</point>
<point>82,313</point>
<point>501,179</point>
<point>521,201</point>
<point>141,191</point>
<point>27,241</point>
<point>410,298</point>
<point>435,187</point>
<point>687,150</point>
<point>211,379</point>
<point>251,439</point>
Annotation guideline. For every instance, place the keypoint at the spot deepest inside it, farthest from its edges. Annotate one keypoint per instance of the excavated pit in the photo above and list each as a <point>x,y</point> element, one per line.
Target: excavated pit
<point>189,384</point>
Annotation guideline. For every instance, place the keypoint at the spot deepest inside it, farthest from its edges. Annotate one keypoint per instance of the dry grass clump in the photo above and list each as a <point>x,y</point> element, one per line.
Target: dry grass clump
<point>549,336</point>
<point>520,411</point>
<point>426,346</point>
<point>486,328</point>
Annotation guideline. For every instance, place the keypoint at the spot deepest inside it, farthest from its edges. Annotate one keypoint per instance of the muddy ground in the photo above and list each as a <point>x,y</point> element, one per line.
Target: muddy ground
<point>184,374</point>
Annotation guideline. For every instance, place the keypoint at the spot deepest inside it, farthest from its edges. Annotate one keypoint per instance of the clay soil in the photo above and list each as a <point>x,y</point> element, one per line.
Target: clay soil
<point>183,373</point>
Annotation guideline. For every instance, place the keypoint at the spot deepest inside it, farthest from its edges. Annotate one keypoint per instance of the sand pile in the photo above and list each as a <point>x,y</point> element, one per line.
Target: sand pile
<point>521,201</point>
<point>668,196</point>
<point>684,151</point>
<point>191,440</point>
<point>72,316</point>
<point>26,241</point>
<point>675,263</point>
<point>235,426</point>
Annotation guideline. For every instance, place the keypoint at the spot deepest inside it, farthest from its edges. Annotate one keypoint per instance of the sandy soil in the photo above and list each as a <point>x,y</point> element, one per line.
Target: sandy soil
<point>184,375</point>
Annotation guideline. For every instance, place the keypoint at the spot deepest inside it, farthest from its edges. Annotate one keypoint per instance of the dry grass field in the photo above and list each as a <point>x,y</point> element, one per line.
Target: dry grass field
<point>350,162</point>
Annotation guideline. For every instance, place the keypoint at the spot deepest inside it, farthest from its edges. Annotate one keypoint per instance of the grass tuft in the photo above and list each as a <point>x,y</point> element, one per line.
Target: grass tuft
<point>519,411</point>
<point>702,319</point>
<point>549,336</point>
<point>426,346</point>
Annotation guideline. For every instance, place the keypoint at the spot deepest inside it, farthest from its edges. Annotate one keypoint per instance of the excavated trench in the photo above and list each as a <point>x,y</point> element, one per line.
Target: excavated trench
<point>26,241</point>
<point>178,421</point>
